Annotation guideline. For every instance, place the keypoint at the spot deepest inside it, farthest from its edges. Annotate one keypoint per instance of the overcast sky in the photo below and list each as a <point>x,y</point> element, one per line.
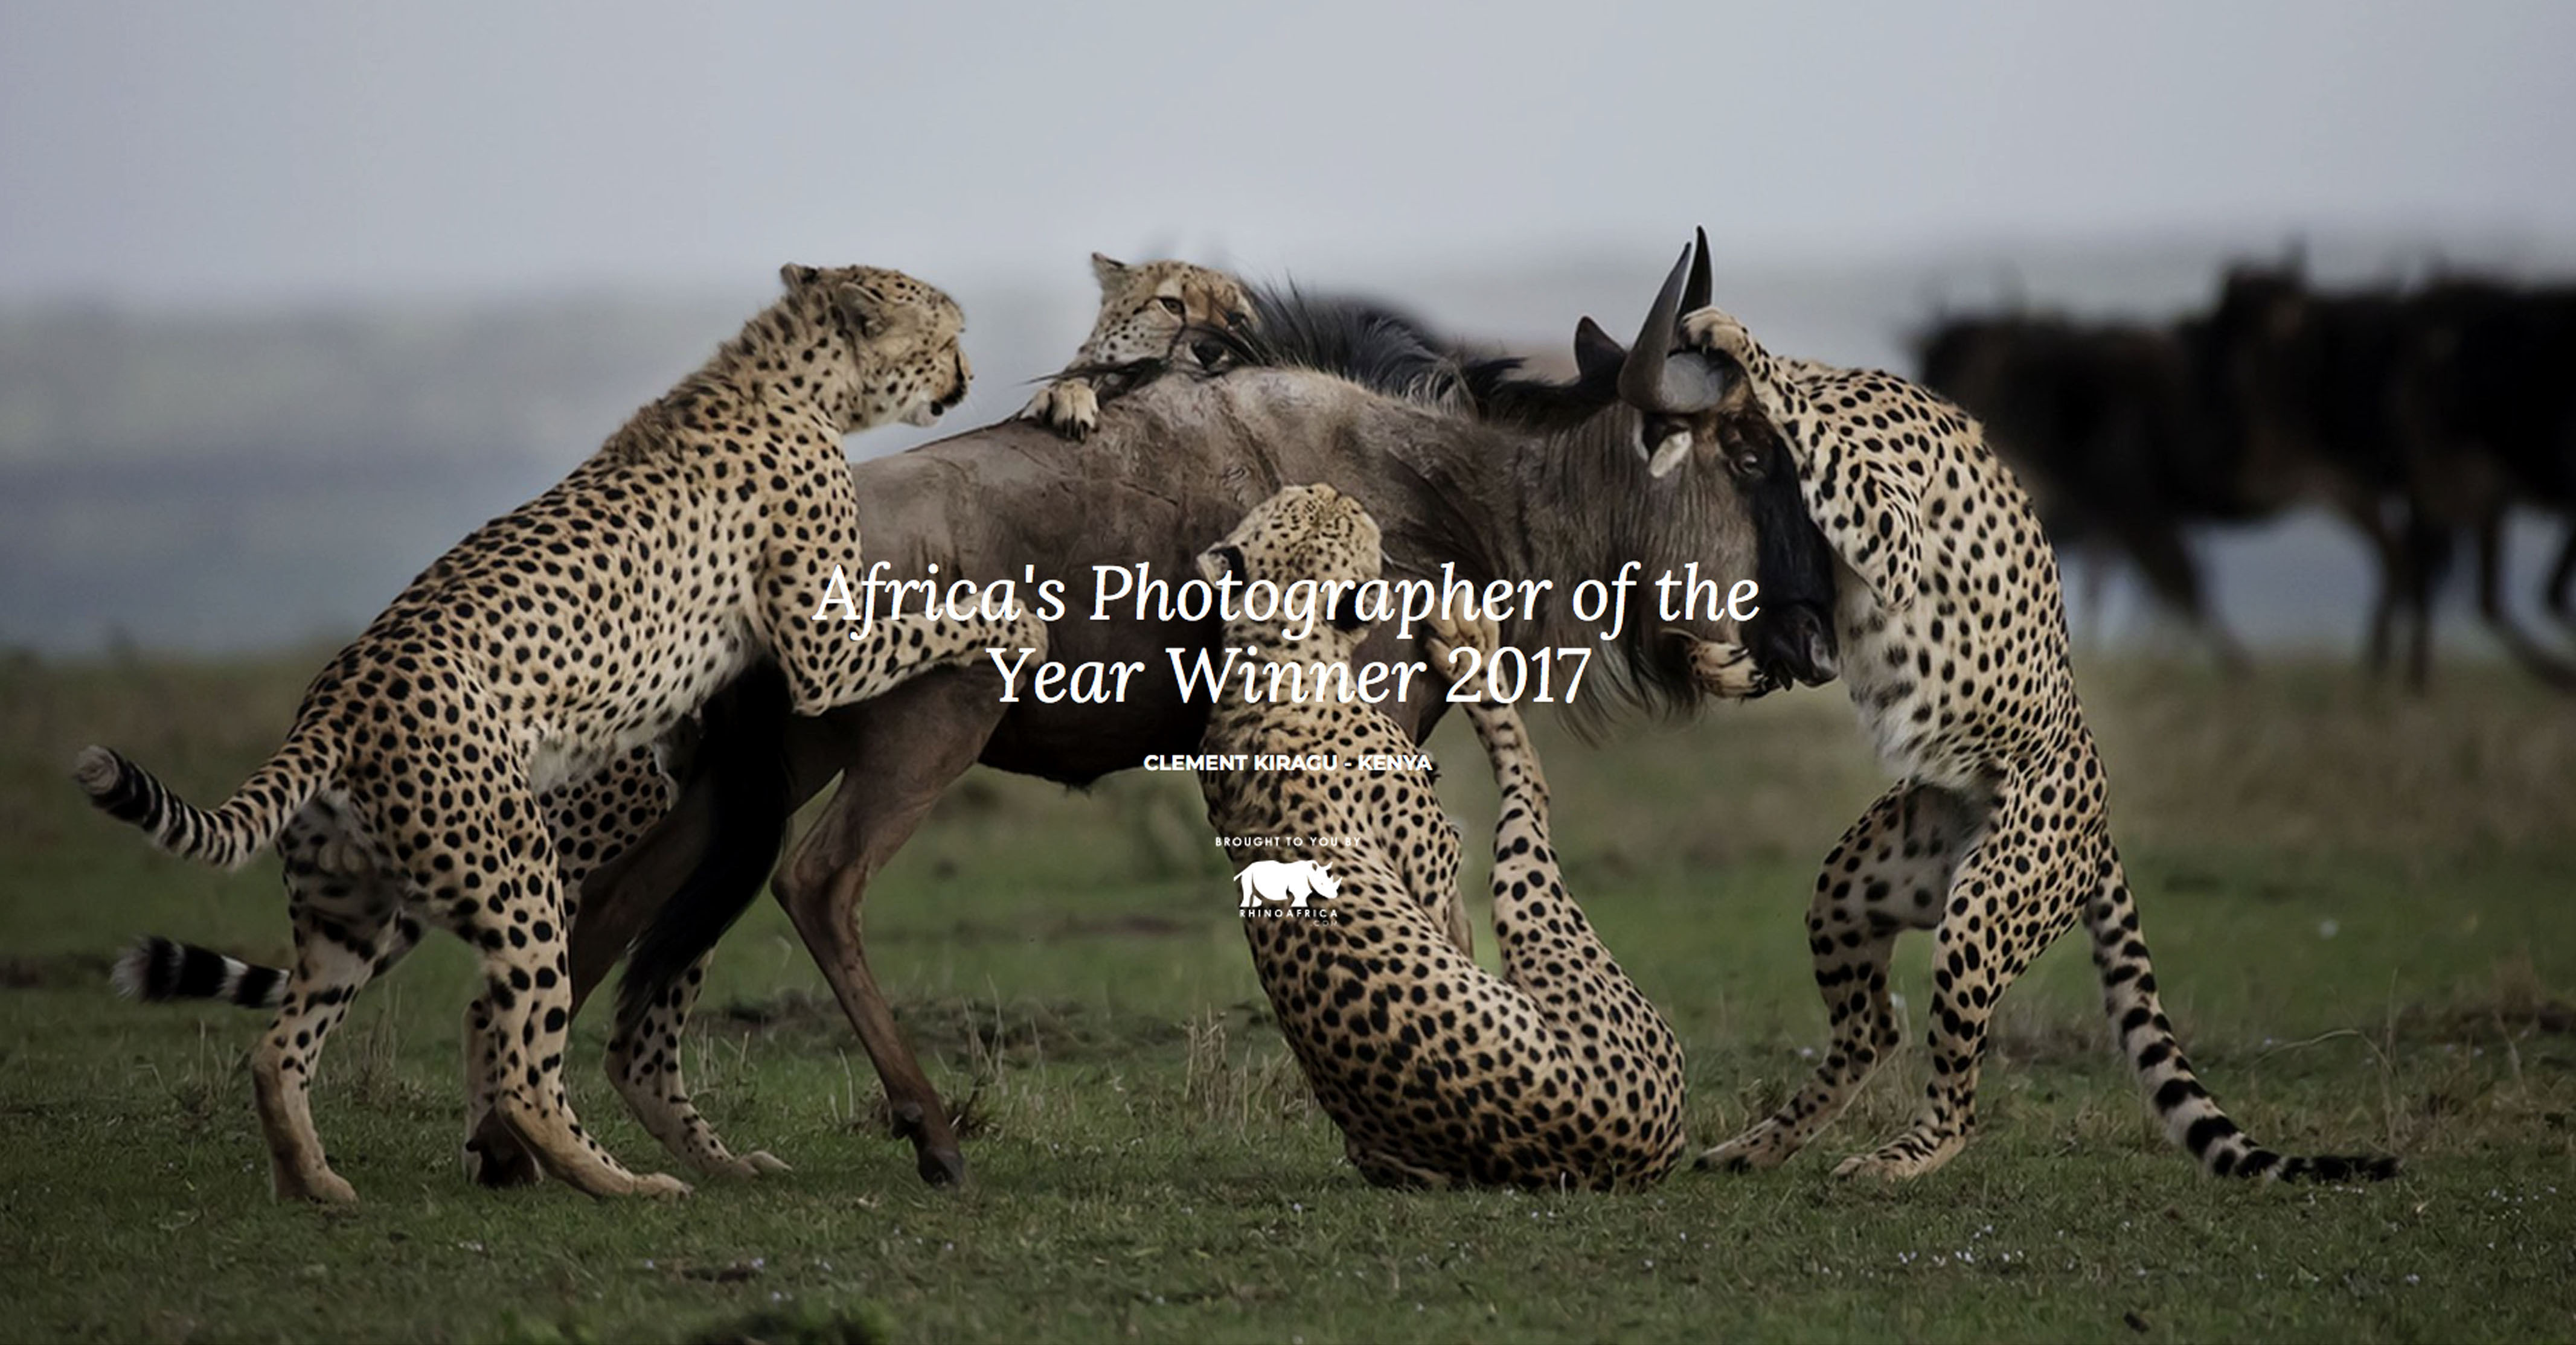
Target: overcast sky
<point>257,150</point>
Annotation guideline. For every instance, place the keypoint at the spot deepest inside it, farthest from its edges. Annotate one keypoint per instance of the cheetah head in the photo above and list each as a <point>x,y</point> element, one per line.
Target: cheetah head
<point>1304,533</point>
<point>1149,311</point>
<point>902,334</point>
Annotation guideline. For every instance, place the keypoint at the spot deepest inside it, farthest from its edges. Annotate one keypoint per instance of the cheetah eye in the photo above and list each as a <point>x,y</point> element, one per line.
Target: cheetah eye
<point>1171,305</point>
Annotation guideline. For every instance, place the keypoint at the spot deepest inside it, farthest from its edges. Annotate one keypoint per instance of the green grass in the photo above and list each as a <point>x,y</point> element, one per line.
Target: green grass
<point>2360,907</point>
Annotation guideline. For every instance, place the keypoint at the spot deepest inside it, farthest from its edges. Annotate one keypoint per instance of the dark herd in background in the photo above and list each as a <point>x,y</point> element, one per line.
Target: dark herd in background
<point>2418,415</point>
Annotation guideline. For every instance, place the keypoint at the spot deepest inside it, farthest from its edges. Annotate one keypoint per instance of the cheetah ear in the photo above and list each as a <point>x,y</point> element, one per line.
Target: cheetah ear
<point>870,312</point>
<point>797,277</point>
<point>1107,269</point>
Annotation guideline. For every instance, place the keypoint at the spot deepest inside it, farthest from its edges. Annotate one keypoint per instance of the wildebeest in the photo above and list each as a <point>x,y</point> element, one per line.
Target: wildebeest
<point>2446,405</point>
<point>1527,481</point>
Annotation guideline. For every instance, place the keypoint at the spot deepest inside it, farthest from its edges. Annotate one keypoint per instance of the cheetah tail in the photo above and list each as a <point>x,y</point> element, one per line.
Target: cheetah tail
<point>228,836</point>
<point>158,971</point>
<point>2191,1117</point>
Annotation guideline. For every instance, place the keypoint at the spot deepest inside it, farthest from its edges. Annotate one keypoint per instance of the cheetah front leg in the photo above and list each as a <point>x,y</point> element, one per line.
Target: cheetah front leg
<point>644,1064</point>
<point>595,822</point>
<point>1891,872</point>
<point>1620,1049</point>
<point>831,662</point>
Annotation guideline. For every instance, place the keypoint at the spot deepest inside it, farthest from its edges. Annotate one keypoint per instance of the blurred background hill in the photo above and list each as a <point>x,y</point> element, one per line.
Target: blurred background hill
<point>241,477</point>
<point>290,299</point>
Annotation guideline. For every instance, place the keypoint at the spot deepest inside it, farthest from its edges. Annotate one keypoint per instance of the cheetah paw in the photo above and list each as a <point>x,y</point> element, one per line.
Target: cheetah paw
<point>757,1163</point>
<point>1716,332</point>
<point>1756,1150</point>
<point>1902,1160</point>
<point>322,1188</point>
<point>1872,1166</point>
<point>1067,406</point>
<point>1450,633</point>
<point>1725,669</point>
<point>658,1186</point>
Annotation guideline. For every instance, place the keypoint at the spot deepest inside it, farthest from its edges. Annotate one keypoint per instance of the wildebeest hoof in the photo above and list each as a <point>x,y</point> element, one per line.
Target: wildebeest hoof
<point>500,1165</point>
<point>941,1167</point>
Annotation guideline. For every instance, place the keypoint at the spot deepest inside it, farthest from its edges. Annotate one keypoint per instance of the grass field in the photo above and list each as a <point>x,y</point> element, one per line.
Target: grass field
<point>2363,910</point>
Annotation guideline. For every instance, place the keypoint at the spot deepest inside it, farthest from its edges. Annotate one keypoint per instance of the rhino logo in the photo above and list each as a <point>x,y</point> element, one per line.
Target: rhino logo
<point>1270,880</point>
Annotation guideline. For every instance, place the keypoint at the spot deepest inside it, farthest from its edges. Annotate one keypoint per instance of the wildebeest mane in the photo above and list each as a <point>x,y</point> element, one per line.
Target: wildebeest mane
<point>1379,347</point>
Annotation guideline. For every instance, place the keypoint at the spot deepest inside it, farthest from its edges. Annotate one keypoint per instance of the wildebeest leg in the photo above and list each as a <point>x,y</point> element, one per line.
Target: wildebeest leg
<point>2562,578</point>
<point>2411,556</point>
<point>2156,545</point>
<point>906,748</point>
<point>2498,613</point>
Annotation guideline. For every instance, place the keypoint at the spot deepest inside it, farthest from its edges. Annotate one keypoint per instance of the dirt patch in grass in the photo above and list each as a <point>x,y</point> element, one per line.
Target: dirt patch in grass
<point>58,971</point>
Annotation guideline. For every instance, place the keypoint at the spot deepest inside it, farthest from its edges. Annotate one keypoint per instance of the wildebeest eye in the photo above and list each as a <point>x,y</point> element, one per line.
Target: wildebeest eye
<point>1346,611</point>
<point>1171,305</point>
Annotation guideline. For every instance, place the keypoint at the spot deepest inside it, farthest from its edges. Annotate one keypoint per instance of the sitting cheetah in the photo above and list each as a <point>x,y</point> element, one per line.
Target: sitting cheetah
<point>1558,1074</point>
<point>1952,640</point>
<point>1148,314</point>
<point>554,641</point>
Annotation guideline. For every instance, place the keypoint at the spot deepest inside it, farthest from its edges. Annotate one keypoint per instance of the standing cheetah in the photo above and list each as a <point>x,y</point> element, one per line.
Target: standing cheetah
<point>1147,312</point>
<point>1952,640</point>
<point>554,641</point>
<point>1557,1074</point>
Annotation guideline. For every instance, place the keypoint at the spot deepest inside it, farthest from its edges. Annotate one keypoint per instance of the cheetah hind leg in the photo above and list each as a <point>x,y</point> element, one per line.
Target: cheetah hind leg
<point>493,1156</point>
<point>2010,871</point>
<point>328,975</point>
<point>526,991</point>
<point>1381,1169</point>
<point>644,1064</point>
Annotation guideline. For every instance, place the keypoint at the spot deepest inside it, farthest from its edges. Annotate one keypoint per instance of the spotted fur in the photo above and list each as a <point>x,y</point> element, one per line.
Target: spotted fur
<point>1996,837</point>
<point>487,740</point>
<point>1150,316</point>
<point>1558,1073</point>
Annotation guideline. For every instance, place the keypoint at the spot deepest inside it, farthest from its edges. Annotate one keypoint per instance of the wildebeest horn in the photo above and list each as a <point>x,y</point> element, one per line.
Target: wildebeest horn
<point>1695,295</point>
<point>1655,377</point>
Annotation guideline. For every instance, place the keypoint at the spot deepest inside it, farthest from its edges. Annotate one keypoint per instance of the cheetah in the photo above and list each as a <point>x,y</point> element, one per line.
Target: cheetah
<point>1558,1073</point>
<point>1151,315</point>
<point>553,642</point>
<point>1952,642</point>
